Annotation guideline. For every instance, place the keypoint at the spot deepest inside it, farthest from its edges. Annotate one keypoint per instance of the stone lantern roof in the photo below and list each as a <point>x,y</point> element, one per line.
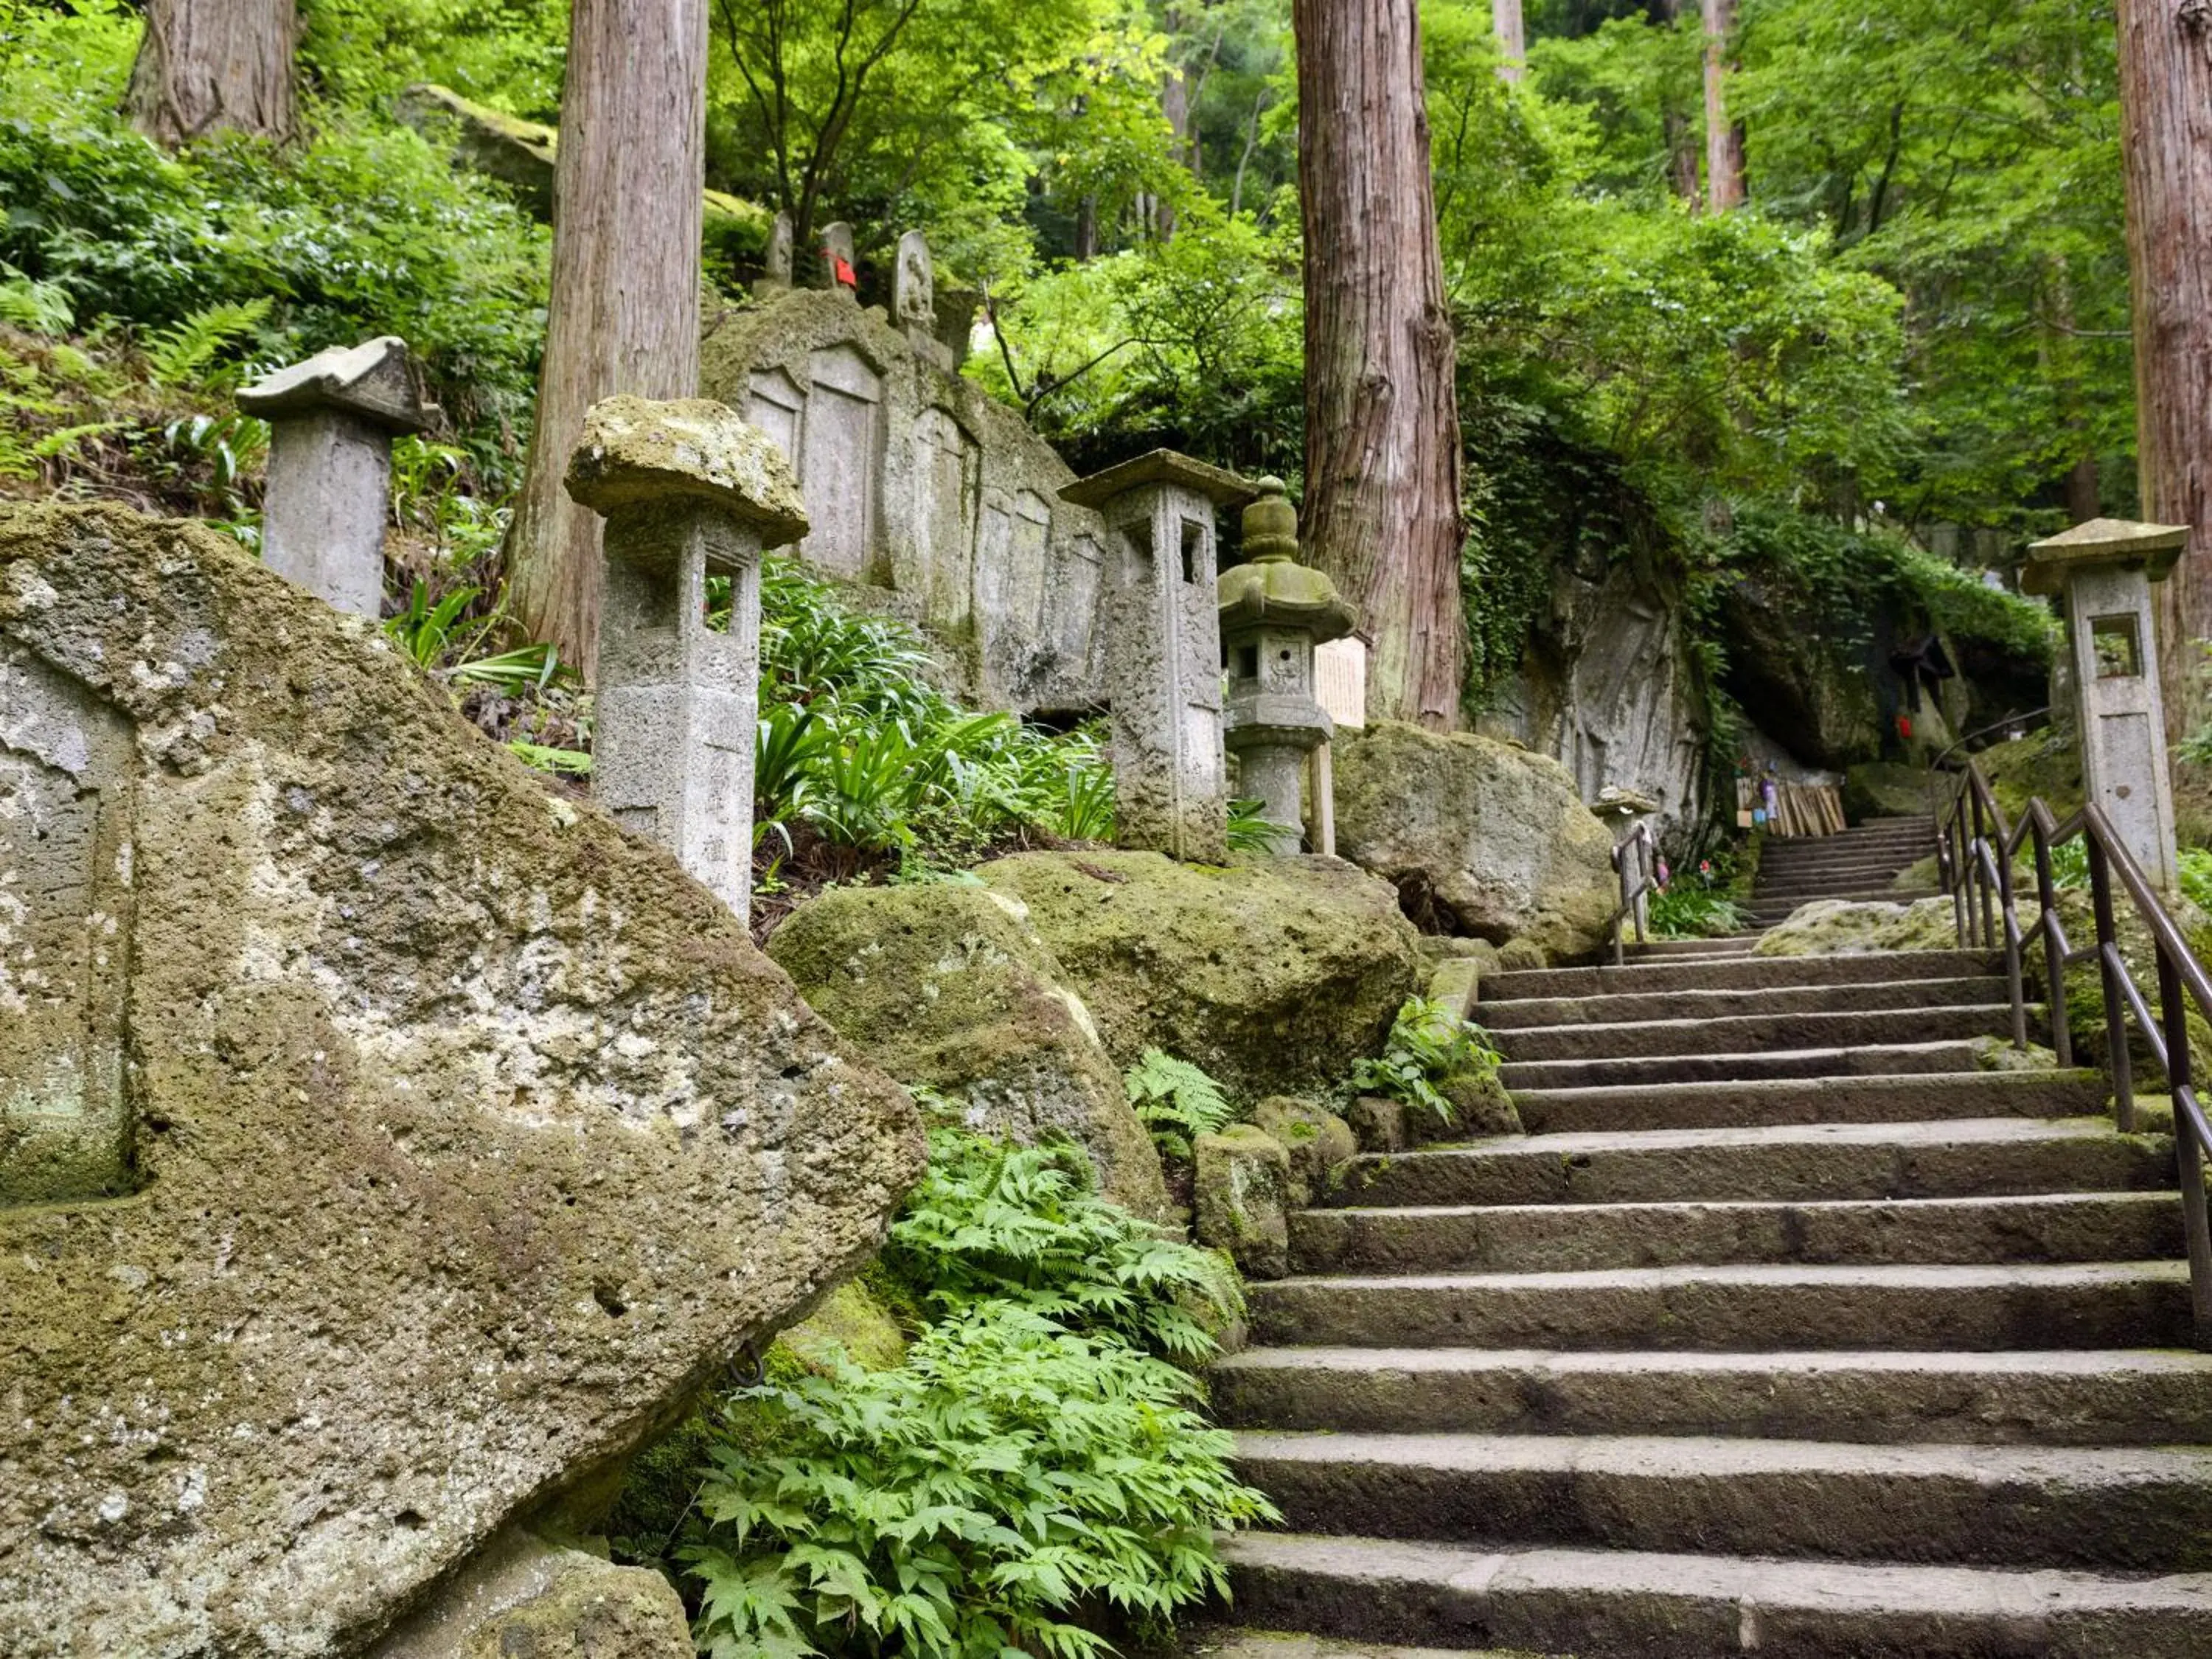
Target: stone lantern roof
<point>1268,588</point>
<point>2102,542</point>
<point>638,452</point>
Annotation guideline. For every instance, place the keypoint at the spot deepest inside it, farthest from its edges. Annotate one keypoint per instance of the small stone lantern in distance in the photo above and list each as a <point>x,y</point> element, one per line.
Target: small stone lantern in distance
<point>2103,572</point>
<point>1273,612</point>
<point>689,491</point>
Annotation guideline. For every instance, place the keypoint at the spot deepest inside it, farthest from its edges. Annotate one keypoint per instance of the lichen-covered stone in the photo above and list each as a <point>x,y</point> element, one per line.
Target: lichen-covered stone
<point>1479,837</point>
<point>641,451</point>
<point>1480,1104</point>
<point>849,1321</point>
<point>1378,1123</point>
<point>1454,985</point>
<point>1516,955</point>
<point>1242,1189</point>
<point>948,985</point>
<point>1996,1054</point>
<point>470,1134</point>
<point>1317,1140</point>
<point>1843,927</point>
<point>529,1598</point>
<point>1273,976</point>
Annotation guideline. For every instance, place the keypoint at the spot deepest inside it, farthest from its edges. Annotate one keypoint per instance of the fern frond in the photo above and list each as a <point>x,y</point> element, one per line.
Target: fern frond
<point>183,350</point>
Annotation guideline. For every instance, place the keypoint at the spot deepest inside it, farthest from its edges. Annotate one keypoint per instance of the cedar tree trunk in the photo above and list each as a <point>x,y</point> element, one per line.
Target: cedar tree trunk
<point>1383,443</point>
<point>2165,100</point>
<point>1723,137</point>
<point>1512,38</point>
<point>206,65</point>
<point>624,314</point>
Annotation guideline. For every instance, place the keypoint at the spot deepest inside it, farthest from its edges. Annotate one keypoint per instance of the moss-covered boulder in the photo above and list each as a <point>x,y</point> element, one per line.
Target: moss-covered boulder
<point>1841,927</point>
<point>528,1597</point>
<point>1479,837</point>
<point>1242,1189</point>
<point>947,985</point>
<point>1275,975</point>
<point>448,1136</point>
<point>1317,1139</point>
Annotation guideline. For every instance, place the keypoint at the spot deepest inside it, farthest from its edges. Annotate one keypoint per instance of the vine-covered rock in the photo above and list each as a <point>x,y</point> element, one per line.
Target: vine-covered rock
<point>1273,975</point>
<point>1478,836</point>
<point>948,987</point>
<point>430,1139</point>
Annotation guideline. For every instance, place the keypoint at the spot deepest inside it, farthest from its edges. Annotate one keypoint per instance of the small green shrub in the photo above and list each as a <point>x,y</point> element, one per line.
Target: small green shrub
<point>1176,1101</point>
<point>1007,1477</point>
<point>1427,1045</point>
<point>1687,909</point>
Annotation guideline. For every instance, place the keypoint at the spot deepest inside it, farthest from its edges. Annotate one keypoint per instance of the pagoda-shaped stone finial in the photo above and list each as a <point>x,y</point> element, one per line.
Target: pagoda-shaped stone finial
<point>1273,612</point>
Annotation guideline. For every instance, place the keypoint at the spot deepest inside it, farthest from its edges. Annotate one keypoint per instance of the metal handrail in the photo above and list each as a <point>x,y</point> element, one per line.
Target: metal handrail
<point>2010,720</point>
<point>1638,878</point>
<point>1975,851</point>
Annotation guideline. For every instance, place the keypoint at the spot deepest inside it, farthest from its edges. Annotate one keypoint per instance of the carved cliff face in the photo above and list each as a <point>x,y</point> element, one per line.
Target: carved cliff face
<point>386,1140</point>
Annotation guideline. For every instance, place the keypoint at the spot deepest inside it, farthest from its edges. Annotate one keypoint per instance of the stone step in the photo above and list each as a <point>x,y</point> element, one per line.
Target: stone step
<point>1906,1098</point>
<point>1758,1033</point>
<point>1582,1237</point>
<point>1658,1071</point>
<point>1606,1604</point>
<point>1528,1011</point>
<point>1767,912</point>
<point>1954,1158</point>
<point>1872,871</point>
<point>1739,973</point>
<point>2080,1397</point>
<point>1729,944</point>
<point>1899,850</point>
<point>1741,1307</point>
<point>2134,1509</point>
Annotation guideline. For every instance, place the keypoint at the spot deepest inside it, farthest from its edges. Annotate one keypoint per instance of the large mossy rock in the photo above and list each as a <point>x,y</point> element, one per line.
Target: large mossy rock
<point>948,985</point>
<point>1275,975</point>
<point>1815,697</point>
<point>461,1136</point>
<point>1844,927</point>
<point>1479,837</point>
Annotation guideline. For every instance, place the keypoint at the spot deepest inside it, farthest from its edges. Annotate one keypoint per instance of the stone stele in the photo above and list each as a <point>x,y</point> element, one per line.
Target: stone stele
<point>461,1137</point>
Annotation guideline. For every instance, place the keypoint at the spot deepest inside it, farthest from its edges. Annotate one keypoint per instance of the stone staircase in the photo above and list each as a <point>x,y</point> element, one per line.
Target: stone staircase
<point>1861,863</point>
<point>1784,1330</point>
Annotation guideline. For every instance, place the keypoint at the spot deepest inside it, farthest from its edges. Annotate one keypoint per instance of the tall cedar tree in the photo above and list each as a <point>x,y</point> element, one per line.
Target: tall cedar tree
<point>1723,136</point>
<point>2165,100</point>
<point>623,311</point>
<point>1382,443</point>
<point>1512,38</point>
<point>210,65</point>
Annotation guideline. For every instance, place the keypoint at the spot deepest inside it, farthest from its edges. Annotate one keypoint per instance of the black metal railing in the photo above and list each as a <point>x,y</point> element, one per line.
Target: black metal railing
<point>1978,852</point>
<point>1636,861</point>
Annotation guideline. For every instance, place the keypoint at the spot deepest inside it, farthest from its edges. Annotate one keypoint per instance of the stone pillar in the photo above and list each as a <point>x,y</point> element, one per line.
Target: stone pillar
<point>833,261</point>
<point>2104,571</point>
<point>775,278</point>
<point>330,466</point>
<point>1273,612</point>
<point>1163,672</point>
<point>914,299</point>
<point>689,491</point>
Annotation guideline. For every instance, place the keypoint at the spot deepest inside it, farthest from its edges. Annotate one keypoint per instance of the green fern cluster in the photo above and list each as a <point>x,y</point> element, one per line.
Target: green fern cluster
<point>1176,1101</point>
<point>1034,1460</point>
<point>1428,1045</point>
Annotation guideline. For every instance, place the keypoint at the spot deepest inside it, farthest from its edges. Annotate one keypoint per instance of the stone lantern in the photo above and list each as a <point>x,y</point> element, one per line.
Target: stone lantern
<point>332,419</point>
<point>1164,649</point>
<point>689,491</point>
<point>2104,571</point>
<point>1273,612</point>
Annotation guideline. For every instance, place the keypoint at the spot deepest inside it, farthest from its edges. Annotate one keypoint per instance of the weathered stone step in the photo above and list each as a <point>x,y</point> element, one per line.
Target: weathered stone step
<point>2079,1397</point>
<point>2134,1509</point>
<point>1768,912</point>
<point>1528,1011</point>
<point>1658,1071</point>
<point>1739,973</point>
<point>1906,1098</point>
<point>1881,873</point>
<point>1953,1158</point>
<point>1741,1308</point>
<point>1743,1034</point>
<point>1605,1604</point>
<point>1559,1237</point>
<point>1726,944</point>
<point>1903,850</point>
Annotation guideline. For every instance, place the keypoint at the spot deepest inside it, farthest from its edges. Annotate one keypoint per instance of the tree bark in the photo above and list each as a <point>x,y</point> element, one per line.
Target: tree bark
<point>1678,124</point>
<point>1382,443</point>
<point>210,65</point>
<point>624,314</point>
<point>1512,39</point>
<point>1723,137</point>
<point>2165,100</point>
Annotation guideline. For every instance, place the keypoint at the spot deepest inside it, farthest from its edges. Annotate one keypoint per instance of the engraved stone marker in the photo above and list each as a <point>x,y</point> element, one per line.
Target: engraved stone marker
<point>834,258</point>
<point>66,760</point>
<point>1273,612</point>
<point>2104,571</point>
<point>330,466</point>
<point>777,277</point>
<point>1164,649</point>
<point>913,300</point>
<point>689,491</point>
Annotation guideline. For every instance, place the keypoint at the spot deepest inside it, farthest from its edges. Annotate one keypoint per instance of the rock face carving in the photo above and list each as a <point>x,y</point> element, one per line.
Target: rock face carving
<point>471,1135</point>
<point>939,502</point>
